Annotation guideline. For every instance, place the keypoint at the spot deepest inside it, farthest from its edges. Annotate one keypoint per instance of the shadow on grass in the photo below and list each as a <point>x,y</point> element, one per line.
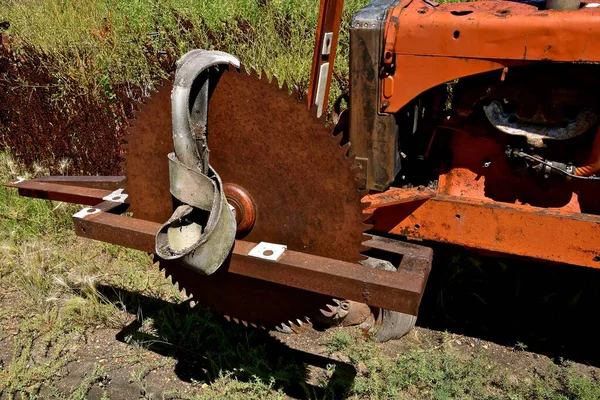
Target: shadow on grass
<point>205,346</point>
<point>546,308</point>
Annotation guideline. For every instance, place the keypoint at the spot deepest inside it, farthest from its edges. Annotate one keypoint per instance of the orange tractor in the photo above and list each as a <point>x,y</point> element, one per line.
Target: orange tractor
<point>474,124</point>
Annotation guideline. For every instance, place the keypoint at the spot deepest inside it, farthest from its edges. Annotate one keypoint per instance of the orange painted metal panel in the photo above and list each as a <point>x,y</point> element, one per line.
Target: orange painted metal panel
<point>498,30</point>
<point>546,234</point>
<point>427,45</point>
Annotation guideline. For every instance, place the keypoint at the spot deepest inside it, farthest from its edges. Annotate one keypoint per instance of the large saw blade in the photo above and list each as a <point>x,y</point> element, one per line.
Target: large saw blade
<point>304,185</point>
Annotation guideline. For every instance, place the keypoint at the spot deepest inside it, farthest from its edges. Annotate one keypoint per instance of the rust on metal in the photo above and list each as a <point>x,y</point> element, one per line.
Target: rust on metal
<point>280,154</point>
<point>93,182</point>
<point>439,43</point>
<point>60,192</point>
<point>303,184</point>
<point>149,141</point>
<point>521,230</point>
<point>396,196</point>
<point>245,208</point>
<point>398,291</point>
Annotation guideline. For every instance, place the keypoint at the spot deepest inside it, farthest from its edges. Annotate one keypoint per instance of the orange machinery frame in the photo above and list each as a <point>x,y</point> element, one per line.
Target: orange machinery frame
<point>426,45</point>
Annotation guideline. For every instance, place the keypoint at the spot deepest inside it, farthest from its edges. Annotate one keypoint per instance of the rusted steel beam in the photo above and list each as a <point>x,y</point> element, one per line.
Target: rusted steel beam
<point>60,192</point>
<point>567,237</point>
<point>116,229</point>
<point>394,197</point>
<point>398,291</point>
<point>95,182</point>
<point>415,259</point>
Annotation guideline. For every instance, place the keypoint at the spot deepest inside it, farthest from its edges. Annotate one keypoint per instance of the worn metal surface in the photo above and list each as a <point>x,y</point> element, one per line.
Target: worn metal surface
<point>93,182</point>
<point>373,136</point>
<point>303,184</point>
<point>443,42</point>
<point>326,40</point>
<point>540,129</point>
<point>192,237</point>
<point>545,234</point>
<point>146,157</point>
<point>60,192</point>
<point>395,196</point>
<point>244,206</point>
<point>395,290</point>
<point>562,4</point>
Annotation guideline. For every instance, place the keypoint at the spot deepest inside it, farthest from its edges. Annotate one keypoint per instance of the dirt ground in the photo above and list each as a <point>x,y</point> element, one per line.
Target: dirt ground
<point>101,362</point>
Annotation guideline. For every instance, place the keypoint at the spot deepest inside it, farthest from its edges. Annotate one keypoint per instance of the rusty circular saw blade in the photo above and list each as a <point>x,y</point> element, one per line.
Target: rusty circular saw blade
<point>148,141</point>
<point>305,187</point>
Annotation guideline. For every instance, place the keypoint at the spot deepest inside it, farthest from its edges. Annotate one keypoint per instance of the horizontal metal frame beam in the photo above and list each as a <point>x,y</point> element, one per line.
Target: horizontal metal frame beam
<point>398,291</point>
<point>60,192</point>
<point>521,230</point>
<point>95,182</point>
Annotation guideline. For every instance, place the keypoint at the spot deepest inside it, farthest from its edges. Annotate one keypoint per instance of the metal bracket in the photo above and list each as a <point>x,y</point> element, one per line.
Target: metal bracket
<point>117,196</point>
<point>268,251</point>
<point>201,232</point>
<point>84,212</point>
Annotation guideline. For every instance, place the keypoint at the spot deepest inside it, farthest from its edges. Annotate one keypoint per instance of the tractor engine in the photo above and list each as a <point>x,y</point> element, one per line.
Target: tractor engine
<point>492,103</point>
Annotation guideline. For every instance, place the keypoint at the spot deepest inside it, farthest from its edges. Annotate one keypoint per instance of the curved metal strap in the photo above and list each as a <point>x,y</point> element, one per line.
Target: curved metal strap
<point>201,232</point>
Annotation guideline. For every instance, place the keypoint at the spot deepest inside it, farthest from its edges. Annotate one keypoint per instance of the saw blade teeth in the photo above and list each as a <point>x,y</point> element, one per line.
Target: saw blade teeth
<point>296,322</point>
<point>346,150</point>
<point>231,68</point>
<point>284,328</point>
<point>263,76</point>
<point>332,311</point>
<point>244,69</point>
<point>227,318</point>
<point>284,86</point>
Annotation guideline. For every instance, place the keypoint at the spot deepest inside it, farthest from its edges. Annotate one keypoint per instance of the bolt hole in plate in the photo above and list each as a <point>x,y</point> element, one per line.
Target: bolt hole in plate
<point>597,259</point>
<point>84,212</point>
<point>268,251</point>
<point>456,34</point>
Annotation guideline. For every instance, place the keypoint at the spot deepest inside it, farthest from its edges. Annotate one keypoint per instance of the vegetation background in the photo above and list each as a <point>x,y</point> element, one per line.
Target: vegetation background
<point>80,319</point>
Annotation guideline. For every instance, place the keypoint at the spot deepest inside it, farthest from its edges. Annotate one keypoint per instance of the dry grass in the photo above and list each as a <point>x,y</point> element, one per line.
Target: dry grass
<point>97,45</point>
<point>53,289</point>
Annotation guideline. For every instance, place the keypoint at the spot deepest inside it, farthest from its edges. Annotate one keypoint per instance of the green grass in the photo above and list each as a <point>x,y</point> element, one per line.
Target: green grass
<point>441,372</point>
<point>56,289</point>
<point>96,45</point>
<point>58,286</point>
